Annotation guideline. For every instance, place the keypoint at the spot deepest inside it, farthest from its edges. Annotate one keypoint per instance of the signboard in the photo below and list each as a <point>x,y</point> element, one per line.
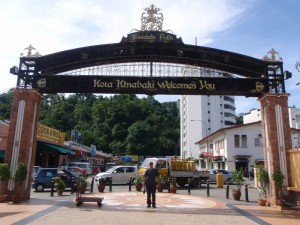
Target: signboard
<point>50,134</point>
<point>93,150</point>
<point>125,158</point>
<point>250,87</point>
<point>152,36</point>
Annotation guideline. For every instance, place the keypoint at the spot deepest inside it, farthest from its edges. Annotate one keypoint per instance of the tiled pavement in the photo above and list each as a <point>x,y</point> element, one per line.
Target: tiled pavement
<point>123,207</point>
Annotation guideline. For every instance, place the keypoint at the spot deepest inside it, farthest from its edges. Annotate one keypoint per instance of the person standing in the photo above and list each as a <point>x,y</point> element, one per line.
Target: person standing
<point>151,175</point>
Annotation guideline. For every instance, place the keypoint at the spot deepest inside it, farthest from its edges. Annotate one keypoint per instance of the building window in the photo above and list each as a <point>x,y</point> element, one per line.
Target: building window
<point>219,144</point>
<point>229,107</point>
<point>229,123</point>
<point>244,141</point>
<point>258,142</point>
<point>236,141</point>
<point>227,98</point>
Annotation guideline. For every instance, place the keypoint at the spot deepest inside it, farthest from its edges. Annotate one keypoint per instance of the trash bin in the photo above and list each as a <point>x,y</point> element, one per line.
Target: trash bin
<point>219,180</point>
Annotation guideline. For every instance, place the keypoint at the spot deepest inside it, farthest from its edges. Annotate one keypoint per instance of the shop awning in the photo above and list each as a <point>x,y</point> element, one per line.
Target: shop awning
<point>259,161</point>
<point>218,158</point>
<point>42,146</point>
<point>242,160</point>
<point>207,154</point>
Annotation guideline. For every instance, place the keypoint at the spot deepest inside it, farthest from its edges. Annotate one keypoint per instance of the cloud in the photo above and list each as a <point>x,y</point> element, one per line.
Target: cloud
<point>58,25</point>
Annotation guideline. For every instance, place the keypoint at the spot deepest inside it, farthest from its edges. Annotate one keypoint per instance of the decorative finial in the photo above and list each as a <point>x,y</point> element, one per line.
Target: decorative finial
<point>273,54</point>
<point>152,19</point>
<point>30,49</point>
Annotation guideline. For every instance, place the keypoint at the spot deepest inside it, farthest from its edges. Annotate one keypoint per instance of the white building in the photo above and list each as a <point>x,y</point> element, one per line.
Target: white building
<point>294,121</point>
<point>231,148</point>
<point>255,115</point>
<point>295,138</point>
<point>201,116</point>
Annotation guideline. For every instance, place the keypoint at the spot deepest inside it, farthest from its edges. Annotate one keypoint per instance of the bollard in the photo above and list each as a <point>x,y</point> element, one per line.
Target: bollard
<point>52,187</point>
<point>169,184</point>
<point>73,185</point>
<point>227,190</point>
<point>189,186</point>
<point>92,185</point>
<point>130,180</point>
<point>246,193</point>
<point>207,187</point>
<point>110,183</point>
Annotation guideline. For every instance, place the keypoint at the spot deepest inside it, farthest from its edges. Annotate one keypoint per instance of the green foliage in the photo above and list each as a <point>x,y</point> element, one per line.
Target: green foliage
<point>4,171</point>
<point>121,124</point>
<point>102,181</point>
<point>278,179</point>
<point>59,183</point>
<point>139,180</point>
<point>173,181</point>
<point>163,180</point>
<point>20,173</point>
<point>238,178</point>
<point>263,179</point>
<point>83,183</point>
<point>5,106</point>
<point>239,120</point>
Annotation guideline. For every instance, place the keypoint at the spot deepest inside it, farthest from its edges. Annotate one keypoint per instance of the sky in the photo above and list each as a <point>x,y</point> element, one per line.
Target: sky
<point>248,27</point>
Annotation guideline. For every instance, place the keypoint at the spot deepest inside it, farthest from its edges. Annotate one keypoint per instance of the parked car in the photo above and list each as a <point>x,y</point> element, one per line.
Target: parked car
<point>227,175</point>
<point>84,165</point>
<point>76,171</point>
<point>35,170</point>
<point>119,174</point>
<point>43,178</point>
<point>99,168</point>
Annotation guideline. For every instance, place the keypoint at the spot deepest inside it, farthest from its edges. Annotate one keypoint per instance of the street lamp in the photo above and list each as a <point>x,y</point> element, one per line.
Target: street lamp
<point>206,130</point>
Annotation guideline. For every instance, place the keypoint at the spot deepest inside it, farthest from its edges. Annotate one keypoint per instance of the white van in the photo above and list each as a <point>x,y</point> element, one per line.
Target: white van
<point>84,165</point>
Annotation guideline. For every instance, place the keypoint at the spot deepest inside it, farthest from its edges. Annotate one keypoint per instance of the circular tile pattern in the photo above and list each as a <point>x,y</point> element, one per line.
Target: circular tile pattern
<point>165,202</point>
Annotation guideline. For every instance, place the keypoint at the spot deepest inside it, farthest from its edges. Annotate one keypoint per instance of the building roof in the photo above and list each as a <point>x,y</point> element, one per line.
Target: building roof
<point>227,128</point>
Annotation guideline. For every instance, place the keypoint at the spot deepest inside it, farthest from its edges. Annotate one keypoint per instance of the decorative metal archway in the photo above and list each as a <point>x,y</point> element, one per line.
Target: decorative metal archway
<point>150,61</point>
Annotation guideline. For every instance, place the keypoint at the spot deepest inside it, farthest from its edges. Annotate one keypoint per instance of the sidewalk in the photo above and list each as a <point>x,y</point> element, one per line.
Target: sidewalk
<point>123,207</point>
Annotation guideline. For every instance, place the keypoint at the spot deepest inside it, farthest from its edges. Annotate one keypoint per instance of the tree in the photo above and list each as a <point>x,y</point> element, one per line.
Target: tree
<point>123,124</point>
<point>5,106</point>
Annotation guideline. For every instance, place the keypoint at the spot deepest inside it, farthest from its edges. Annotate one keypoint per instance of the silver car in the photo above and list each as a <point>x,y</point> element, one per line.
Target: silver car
<point>119,174</point>
<point>227,175</point>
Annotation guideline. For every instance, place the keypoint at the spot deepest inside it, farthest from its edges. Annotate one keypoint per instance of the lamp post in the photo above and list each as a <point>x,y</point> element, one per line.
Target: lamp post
<point>206,132</point>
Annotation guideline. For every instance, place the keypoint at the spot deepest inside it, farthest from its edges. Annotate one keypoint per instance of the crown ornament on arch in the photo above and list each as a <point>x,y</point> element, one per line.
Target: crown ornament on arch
<point>152,20</point>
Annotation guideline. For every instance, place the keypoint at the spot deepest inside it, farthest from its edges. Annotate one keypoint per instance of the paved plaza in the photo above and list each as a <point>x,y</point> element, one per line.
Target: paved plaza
<point>121,206</point>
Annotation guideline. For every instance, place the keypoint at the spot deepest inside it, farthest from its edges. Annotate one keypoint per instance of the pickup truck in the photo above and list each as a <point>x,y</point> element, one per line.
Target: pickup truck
<point>182,170</point>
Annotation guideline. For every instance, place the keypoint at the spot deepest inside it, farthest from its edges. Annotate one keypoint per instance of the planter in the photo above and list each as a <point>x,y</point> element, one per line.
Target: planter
<point>236,195</point>
<point>160,187</point>
<point>138,187</point>
<point>262,202</point>
<point>15,199</point>
<point>2,198</point>
<point>101,187</point>
<point>59,192</point>
<point>173,189</point>
<point>81,190</point>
